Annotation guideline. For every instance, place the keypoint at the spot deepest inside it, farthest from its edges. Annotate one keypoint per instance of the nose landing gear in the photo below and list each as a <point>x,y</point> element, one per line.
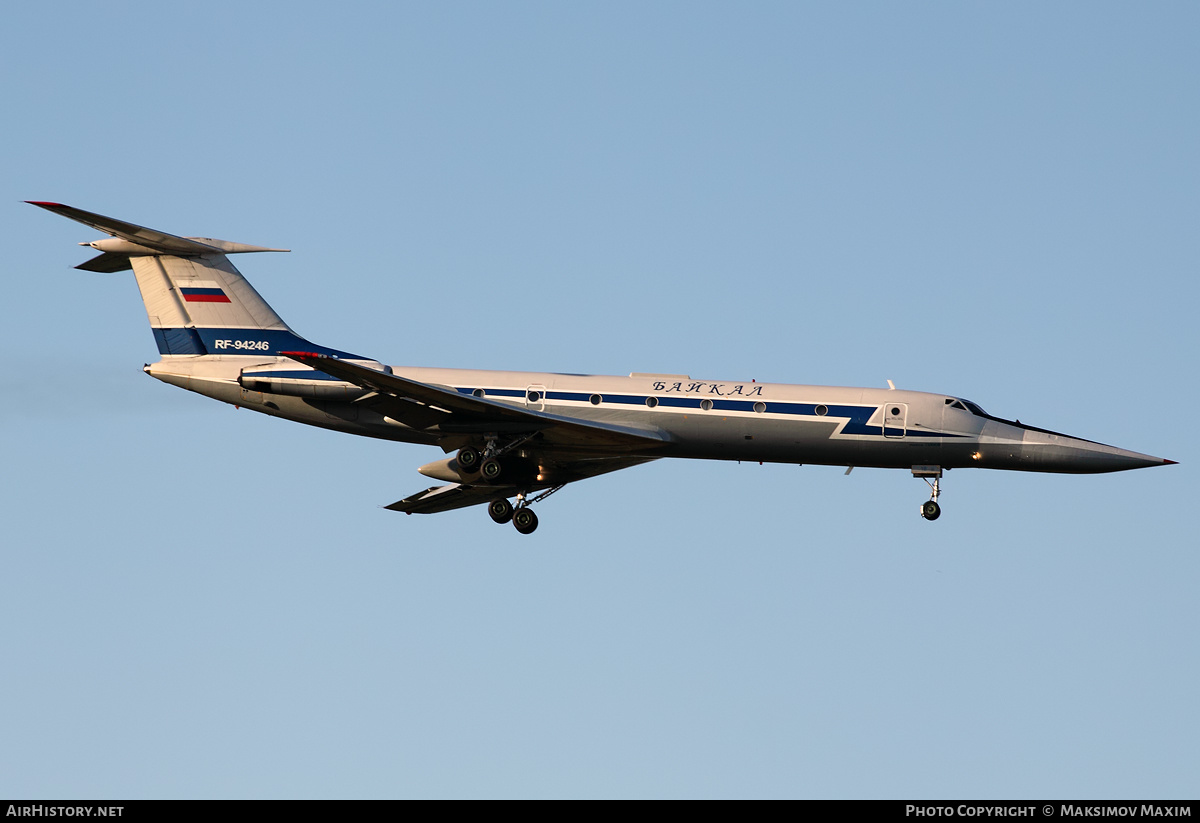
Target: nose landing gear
<point>932,475</point>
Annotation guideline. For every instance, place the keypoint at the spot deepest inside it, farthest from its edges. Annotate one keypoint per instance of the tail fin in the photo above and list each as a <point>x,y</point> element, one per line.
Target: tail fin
<point>197,302</point>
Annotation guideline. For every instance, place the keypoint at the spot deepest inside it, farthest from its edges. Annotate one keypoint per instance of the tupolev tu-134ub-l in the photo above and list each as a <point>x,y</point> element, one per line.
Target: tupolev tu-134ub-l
<point>514,438</point>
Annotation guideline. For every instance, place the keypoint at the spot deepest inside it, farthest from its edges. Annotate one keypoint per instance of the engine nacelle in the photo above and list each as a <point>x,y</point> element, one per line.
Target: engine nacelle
<point>295,380</point>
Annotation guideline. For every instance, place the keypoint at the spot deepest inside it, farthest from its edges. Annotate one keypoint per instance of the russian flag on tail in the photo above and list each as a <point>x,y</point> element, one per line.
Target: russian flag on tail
<point>203,291</point>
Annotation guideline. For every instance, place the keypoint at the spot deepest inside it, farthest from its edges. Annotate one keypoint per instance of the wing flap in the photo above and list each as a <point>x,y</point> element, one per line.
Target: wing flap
<point>409,412</point>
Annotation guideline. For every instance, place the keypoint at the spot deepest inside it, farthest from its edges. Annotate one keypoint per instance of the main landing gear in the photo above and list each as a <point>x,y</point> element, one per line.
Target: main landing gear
<point>486,463</point>
<point>522,517</point>
<point>501,511</point>
<point>468,460</point>
<point>489,463</point>
<point>524,520</point>
<point>505,471</point>
<point>932,475</point>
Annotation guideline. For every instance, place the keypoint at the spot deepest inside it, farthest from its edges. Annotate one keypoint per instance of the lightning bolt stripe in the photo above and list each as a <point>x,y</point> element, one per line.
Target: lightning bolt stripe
<point>855,417</point>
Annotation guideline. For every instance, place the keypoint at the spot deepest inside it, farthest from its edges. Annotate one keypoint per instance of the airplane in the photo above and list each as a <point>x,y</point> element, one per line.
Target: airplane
<point>515,438</point>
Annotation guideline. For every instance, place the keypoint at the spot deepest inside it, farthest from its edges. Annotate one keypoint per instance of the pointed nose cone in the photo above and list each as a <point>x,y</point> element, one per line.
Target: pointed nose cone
<point>1049,451</point>
<point>1117,460</point>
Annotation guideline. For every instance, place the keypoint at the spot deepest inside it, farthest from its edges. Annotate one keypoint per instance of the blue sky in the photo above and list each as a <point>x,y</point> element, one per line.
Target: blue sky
<point>997,202</point>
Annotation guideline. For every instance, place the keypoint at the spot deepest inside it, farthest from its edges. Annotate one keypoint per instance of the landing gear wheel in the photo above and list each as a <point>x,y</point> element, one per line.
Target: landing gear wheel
<point>524,520</point>
<point>501,511</point>
<point>468,459</point>
<point>930,510</point>
<point>491,469</point>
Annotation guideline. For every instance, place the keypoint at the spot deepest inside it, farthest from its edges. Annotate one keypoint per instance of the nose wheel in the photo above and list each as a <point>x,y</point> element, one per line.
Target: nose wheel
<point>932,475</point>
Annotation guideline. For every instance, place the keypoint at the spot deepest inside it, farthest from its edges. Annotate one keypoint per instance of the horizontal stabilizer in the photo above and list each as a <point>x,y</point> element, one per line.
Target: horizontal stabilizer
<point>144,241</point>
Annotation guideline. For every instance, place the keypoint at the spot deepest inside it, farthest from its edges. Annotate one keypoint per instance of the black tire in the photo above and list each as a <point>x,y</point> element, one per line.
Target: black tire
<point>468,460</point>
<point>501,511</point>
<point>930,510</point>
<point>491,469</point>
<point>524,520</point>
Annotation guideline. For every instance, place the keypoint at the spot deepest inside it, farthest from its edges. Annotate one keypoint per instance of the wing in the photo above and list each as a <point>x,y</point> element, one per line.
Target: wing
<point>443,411</point>
<point>459,495</point>
<point>564,449</point>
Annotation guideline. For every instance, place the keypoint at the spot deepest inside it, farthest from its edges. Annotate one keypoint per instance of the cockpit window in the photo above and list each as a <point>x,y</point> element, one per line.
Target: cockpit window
<point>974,409</point>
<point>965,405</point>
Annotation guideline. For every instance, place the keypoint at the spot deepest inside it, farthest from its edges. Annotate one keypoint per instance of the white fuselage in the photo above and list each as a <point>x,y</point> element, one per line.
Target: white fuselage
<point>705,419</point>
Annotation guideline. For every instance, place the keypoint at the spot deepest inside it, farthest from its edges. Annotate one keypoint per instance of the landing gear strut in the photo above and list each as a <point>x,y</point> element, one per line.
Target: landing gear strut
<point>932,475</point>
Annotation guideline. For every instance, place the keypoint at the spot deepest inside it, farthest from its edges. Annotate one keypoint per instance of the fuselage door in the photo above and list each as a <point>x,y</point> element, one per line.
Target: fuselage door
<point>894,415</point>
<point>535,397</point>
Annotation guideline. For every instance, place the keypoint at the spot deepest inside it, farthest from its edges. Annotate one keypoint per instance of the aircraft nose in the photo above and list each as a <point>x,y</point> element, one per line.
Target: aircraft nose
<point>1133,460</point>
<point>1072,454</point>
